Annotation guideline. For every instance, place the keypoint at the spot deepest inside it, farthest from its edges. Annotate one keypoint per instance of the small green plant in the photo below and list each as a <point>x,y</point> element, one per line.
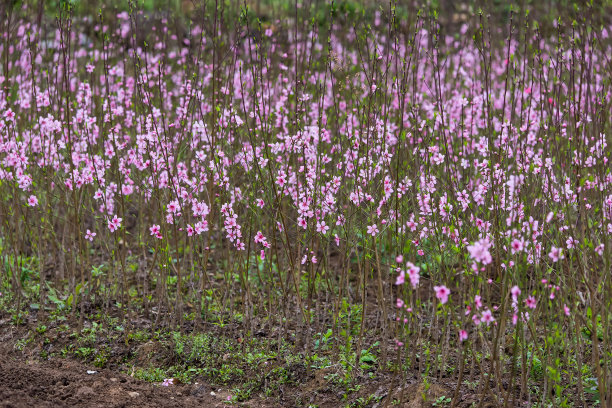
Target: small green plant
<point>442,401</point>
<point>101,358</point>
<point>591,387</point>
<point>84,352</point>
<point>139,336</point>
<point>151,374</point>
<point>323,341</point>
<point>22,343</point>
<point>18,318</point>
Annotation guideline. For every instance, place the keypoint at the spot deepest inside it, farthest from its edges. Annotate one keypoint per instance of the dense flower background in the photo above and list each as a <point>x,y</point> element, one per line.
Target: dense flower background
<point>448,187</point>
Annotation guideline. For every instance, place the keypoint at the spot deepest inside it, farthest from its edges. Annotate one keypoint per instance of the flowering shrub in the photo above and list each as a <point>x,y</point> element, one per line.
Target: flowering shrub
<point>270,173</point>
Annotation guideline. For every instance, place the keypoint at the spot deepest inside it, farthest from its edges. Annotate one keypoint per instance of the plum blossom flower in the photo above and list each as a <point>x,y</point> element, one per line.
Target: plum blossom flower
<point>463,335</point>
<point>487,317</point>
<point>281,179</point>
<point>201,226</point>
<point>9,115</point>
<point>260,239</point>
<point>372,230</point>
<point>173,207</point>
<point>517,245</point>
<point>413,273</point>
<point>114,223</point>
<point>32,201</point>
<point>155,231</point>
<point>478,301</point>
<point>400,278</point>
<point>555,254</point>
<point>89,235</point>
<point>480,251</point>
<point>302,222</point>
<point>515,291</point>
<point>531,302</point>
<point>127,189</point>
<point>442,293</point>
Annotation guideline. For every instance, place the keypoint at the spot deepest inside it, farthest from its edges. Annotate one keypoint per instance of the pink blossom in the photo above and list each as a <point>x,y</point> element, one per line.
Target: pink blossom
<point>555,254</point>
<point>155,230</point>
<point>480,251</point>
<point>515,291</point>
<point>413,273</point>
<point>322,228</point>
<point>173,207</point>
<point>281,180</point>
<point>517,245</point>
<point>302,222</point>
<point>259,237</point>
<point>32,201</point>
<point>400,278</point>
<point>114,223</point>
<point>372,230</point>
<point>487,317</point>
<point>478,301</point>
<point>89,235</point>
<point>531,302</point>
<point>442,293</point>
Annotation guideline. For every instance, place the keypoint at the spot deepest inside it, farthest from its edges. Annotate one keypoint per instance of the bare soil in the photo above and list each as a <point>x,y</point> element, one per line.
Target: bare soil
<point>28,380</point>
<point>66,383</point>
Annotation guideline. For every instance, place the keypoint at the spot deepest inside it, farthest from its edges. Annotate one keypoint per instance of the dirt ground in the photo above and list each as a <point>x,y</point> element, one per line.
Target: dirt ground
<point>26,380</point>
<point>66,383</point>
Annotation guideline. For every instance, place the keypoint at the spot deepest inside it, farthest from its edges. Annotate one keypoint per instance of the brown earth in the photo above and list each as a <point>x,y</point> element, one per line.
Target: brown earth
<point>28,380</point>
<point>65,383</point>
